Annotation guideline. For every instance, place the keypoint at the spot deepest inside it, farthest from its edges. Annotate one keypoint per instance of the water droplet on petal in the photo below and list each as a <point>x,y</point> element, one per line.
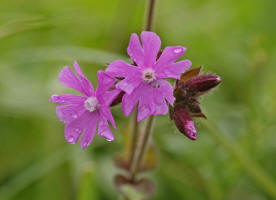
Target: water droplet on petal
<point>75,116</point>
<point>178,50</point>
<point>70,139</point>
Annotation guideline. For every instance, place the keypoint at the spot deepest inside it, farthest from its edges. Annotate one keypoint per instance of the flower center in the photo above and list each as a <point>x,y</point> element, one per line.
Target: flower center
<point>149,75</point>
<point>91,104</point>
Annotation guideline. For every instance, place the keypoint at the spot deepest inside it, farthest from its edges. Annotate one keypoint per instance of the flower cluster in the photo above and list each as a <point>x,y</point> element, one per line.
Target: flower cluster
<point>142,83</point>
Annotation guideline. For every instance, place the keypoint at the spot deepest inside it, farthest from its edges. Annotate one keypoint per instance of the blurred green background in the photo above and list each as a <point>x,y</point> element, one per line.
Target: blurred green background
<point>234,156</point>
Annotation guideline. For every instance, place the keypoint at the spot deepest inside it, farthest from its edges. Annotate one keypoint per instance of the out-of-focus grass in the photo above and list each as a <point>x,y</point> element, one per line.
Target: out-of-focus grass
<point>234,39</point>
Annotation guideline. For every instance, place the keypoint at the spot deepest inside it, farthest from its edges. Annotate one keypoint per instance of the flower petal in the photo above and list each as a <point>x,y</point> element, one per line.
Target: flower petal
<point>170,55</point>
<point>120,69</point>
<point>135,51</point>
<point>146,102</point>
<point>69,113</point>
<point>106,91</point>
<point>109,96</point>
<point>90,130</point>
<point>166,90</point>
<point>129,83</point>
<point>86,85</point>
<point>67,99</point>
<point>69,79</point>
<point>105,113</point>
<point>129,102</point>
<point>74,128</point>
<point>173,70</point>
<point>105,82</point>
<point>160,105</point>
<point>104,130</point>
<point>151,45</point>
<point>161,109</point>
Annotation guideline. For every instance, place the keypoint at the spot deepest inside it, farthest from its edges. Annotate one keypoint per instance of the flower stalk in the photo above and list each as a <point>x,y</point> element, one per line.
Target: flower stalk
<point>135,135</point>
<point>141,149</point>
<point>150,15</point>
<point>138,150</point>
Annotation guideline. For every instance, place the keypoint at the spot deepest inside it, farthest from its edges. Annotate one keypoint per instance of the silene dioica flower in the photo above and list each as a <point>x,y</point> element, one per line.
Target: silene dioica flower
<point>84,113</point>
<point>144,80</point>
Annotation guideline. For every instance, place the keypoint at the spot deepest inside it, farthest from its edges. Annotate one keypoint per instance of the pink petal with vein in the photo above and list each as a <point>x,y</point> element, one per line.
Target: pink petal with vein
<point>69,79</point>
<point>69,113</point>
<point>67,99</point>
<point>146,102</point>
<point>74,129</point>
<point>151,45</point>
<point>135,51</point>
<point>89,131</point>
<point>170,55</point>
<point>166,90</point>
<point>86,85</point>
<point>129,83</point>
<point>105,113</point>
<point>173,70</point>
<point>120,69</point>
<point>104,130</point>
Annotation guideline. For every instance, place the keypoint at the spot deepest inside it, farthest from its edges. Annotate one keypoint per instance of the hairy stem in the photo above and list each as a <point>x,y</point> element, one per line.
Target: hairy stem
<point>135,135</point>
<point>138,151</point>
<point>141,149</point>
<point>150,15</point>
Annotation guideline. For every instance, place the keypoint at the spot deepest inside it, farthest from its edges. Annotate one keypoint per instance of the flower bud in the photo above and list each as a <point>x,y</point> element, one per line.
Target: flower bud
<point>201,84</point>
<point>184,122</point>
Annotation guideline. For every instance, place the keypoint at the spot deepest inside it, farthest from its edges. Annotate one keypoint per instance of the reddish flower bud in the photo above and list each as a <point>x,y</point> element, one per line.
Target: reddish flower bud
<point>186,92</point>
<point>184,122</point>
<point>201,84</point>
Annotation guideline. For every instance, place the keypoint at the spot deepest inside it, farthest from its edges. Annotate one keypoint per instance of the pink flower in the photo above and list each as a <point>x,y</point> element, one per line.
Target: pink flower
<point>144,80</point>
<point>82,113</point>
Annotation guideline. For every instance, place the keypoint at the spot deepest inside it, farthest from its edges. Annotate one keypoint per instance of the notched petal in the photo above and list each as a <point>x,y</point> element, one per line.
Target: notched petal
<point>104,130</point>
<point>169,55</point>
<point>135,51</point>
<point>89,132</point>
<point>151,45</point>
